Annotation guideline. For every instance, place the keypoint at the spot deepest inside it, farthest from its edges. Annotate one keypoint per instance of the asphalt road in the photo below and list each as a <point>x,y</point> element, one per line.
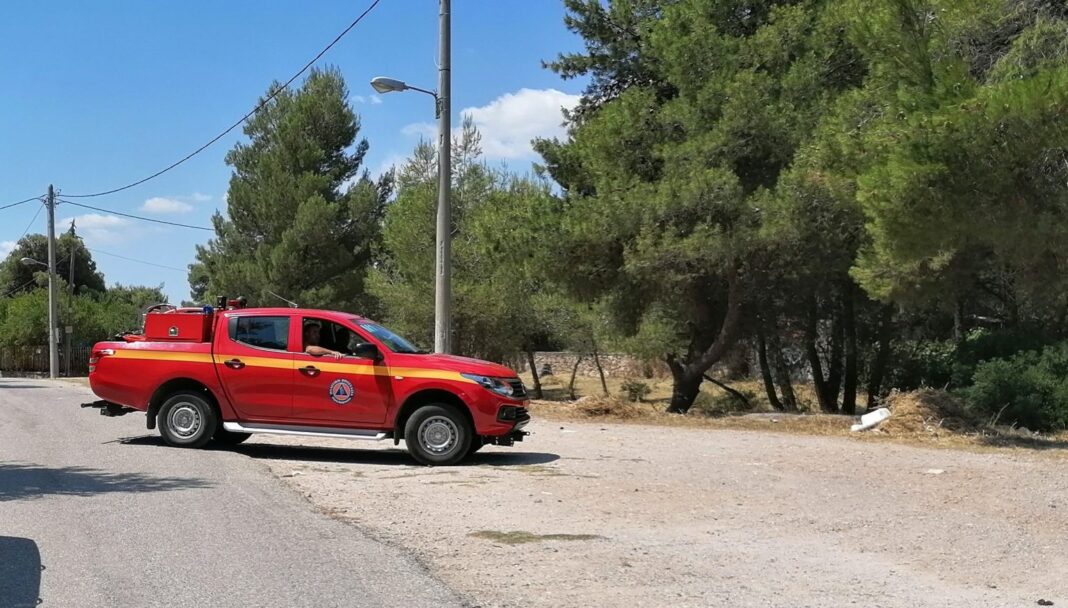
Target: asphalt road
<point>94,511</point>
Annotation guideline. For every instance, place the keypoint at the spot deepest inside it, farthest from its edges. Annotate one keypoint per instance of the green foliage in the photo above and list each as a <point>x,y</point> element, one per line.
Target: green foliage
<point>94,316</point>
<point>951,363</point>
<point>302,220</point>
<point>1029,389</point>
<point>923,363</point>
<point>635,390</point>
<point>501,238</point>
<point>16,277</point>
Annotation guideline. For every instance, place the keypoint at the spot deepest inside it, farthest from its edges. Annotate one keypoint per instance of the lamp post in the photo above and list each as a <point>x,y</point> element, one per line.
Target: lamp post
<point>53,347</point>
<point>442,105</point>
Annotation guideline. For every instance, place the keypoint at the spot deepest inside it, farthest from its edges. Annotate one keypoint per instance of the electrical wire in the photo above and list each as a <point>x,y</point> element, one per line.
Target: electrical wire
<point>30,225</point>
<point>243,118</point>
<point>19,288</point>
<point>23,202</point>
<point>122,257</point>
<point>136,217</point>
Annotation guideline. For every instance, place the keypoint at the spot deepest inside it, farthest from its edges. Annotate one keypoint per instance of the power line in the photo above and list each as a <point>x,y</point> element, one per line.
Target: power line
<point>136,217</point>
<point>19,288</point>
<point>122,257</point>
<point>22,202</point>
<point>30,225</point>
<point>243,118</point>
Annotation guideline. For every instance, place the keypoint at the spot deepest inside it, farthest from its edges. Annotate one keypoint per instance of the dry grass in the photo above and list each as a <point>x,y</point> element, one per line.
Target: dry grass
<point>521,537</point>
<point>929,418</point>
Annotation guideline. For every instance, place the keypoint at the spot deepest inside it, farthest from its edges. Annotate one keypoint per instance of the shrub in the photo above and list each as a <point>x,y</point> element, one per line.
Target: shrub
<point>635,390</point>
<point>947,363</point>
<point>1029,389</point>
<point>721,403</point>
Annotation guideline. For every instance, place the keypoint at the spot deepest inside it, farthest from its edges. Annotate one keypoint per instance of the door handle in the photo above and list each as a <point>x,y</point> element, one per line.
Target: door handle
<point>309,370</point>
<point>234,364</point>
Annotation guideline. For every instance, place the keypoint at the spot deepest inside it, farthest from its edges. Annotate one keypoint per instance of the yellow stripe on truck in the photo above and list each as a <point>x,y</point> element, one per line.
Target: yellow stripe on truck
<point>338,368</point>
<point>163,356</point>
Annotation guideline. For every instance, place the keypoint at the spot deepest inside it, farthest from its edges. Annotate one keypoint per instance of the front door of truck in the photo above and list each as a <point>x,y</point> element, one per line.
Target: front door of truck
<point>255,366</point>
<point>348,392</point>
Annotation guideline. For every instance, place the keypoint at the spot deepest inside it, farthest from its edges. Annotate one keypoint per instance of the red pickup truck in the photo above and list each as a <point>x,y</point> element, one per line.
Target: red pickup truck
<point>222,374</point>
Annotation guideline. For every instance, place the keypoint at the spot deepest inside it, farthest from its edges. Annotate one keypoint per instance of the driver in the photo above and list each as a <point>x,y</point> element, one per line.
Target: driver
<point>312,334</point>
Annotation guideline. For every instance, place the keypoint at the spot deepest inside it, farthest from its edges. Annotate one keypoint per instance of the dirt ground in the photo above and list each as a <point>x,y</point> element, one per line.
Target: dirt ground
<point>608,514</point>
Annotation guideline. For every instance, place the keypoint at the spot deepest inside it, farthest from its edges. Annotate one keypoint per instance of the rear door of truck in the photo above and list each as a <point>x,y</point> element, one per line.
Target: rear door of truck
<point>254,365</point>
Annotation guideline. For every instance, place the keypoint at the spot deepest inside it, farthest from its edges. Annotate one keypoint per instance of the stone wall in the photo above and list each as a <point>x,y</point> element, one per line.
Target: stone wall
<point>614,365</point>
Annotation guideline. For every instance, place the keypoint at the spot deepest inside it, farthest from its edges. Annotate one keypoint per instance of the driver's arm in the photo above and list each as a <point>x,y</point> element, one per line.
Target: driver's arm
<point>319,351</point>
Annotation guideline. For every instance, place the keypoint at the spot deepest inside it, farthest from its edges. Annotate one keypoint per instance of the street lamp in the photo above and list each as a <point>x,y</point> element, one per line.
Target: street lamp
<point>53,317</point>
<point>442,104</point>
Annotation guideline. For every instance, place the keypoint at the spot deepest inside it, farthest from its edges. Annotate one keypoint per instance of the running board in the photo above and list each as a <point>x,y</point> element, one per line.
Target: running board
<point>305,431</point>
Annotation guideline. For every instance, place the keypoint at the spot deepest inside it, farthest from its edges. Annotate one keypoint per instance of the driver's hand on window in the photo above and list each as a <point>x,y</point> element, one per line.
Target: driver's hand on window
<point>336,356</point>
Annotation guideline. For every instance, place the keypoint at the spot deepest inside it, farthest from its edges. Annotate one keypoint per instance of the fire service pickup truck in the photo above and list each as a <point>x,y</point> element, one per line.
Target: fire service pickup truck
<point>223,373</point>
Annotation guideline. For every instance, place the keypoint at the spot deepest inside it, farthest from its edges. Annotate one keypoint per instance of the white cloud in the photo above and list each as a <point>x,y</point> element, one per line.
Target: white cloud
<point>510,122</point>
<point>161,205</point>
<point>6,247</point>
<point>424,130</point>
<point>200,197</point>
<point>100,229</point>
<point>375,100</point>
<point>390,162</point>
<point>359,99</point>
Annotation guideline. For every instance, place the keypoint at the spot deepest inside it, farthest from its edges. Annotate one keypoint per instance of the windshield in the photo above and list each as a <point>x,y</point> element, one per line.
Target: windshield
<point>394,342</point>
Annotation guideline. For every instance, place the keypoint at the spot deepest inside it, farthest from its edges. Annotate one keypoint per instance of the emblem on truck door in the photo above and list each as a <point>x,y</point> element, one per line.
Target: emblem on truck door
<point>341,391</point>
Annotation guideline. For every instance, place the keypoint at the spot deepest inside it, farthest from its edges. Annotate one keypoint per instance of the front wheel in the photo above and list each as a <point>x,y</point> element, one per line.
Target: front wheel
<point>187,420</point>
<point>438,435</point>
<point>229,438</point>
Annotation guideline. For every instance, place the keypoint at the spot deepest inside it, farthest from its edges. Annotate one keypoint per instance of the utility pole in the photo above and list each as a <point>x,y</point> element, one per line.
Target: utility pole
<point>68,335</point>
<point>53,320</point>
<point>442,284</point>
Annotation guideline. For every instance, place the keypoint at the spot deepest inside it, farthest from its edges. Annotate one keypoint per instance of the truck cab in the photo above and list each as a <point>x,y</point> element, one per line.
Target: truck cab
<point>207,374</point>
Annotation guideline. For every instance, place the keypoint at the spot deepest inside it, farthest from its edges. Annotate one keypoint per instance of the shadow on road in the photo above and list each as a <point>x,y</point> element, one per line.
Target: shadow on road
<point>20,572</point>
<point>5,386</point>
<point>354,455</point>
<point>26,481</point>
<point>379,457</point>
<point>1030,443</point>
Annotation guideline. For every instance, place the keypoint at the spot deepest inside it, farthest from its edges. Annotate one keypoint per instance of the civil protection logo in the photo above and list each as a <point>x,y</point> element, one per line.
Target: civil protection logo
<point>341,391</point>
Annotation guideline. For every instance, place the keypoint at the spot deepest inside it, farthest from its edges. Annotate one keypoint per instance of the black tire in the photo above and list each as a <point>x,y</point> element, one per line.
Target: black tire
<point>229,438</point>
<point>187,420</point>
<point>476,445</point>
<point>438,434</point>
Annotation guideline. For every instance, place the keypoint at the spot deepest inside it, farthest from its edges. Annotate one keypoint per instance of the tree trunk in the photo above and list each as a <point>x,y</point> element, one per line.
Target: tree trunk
<point>765,372</point>
<point>849,322</point>
<point>685,387</point>
<point>687,377</point>
<point>782,371</point>
<point>813,355</point>
<point>834,363</point>
<point>534,374</point>
<point>574,372</point>
<point>737,395</point>
<point>882,355</point>
<point>600,370</point>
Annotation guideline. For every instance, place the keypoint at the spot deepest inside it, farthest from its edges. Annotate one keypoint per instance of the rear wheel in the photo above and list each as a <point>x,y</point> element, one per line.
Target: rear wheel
<point>229,438</point>
<point>187,420</point>
<point>438,434</point>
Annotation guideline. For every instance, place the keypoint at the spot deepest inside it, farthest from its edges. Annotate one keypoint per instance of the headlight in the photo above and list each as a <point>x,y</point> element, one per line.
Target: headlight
<point>496,385</point>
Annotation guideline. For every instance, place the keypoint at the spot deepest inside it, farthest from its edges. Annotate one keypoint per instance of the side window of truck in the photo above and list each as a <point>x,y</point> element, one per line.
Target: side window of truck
<point>261,332</point>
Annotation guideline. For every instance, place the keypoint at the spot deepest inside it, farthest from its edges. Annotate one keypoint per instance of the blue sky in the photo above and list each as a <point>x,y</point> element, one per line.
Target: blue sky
<point>100,94</point>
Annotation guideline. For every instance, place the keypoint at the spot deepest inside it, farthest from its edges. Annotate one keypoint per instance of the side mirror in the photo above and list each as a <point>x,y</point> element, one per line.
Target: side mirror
<point>366,350</point>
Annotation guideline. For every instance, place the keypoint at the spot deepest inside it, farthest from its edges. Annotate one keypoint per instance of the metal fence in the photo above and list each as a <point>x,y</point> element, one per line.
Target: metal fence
<point>19,360</point>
